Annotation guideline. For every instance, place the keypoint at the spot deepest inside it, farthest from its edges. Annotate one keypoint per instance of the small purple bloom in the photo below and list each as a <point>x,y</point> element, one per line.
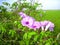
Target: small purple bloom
<point>27,21</point>
<point>50,26</point>
<point>23,15</point>
<point>45,25</point>
<point>46,22</point>
<point>36,25</point>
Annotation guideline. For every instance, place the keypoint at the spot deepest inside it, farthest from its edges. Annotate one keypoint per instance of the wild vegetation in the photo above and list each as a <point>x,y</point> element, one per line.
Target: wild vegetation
<point>12,32</point>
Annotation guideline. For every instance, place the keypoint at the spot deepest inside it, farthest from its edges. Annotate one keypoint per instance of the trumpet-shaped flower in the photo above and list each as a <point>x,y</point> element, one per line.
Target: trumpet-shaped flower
<point>45,25</point>
<point>36,25</point>
<point>50,26</point>
<point>27,21</point>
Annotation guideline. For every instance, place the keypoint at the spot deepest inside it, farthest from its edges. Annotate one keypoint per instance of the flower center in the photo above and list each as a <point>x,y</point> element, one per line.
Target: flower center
<point>27,22</point>
<point>34,26</point>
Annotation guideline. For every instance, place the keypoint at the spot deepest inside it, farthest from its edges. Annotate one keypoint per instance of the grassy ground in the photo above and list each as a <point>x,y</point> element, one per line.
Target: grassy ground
<point>53,16</point>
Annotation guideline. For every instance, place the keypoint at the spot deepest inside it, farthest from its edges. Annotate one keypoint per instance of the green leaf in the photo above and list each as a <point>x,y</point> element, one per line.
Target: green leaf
<point>42,33</point>
<point>15,22</point>
<point>47,43</point>
<point>14,5</point>
<point>6,3</point>
<point>2,8</point>
<point>19,26</point>
<point>36,37</point>
<point>12,33</point>
<point>30,34</point>
<point>25,36</point>
<point>21,42</point>
<point>48,33</point>
<point>2,29</point>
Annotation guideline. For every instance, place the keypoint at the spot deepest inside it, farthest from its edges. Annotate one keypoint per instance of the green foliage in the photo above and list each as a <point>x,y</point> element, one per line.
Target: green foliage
<point>13,33</point>
<point>2,8</point>
<point>6,3</point>
<point>2,29</point>
<point>14,5</point>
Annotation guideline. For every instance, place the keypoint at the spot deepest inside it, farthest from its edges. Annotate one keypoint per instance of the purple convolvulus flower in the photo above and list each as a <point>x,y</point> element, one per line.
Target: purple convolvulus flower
<point>50,26</point>
<point>27,21</point>
<point>43,24</point>
<point>36,25</point>
<point>23,15</point>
